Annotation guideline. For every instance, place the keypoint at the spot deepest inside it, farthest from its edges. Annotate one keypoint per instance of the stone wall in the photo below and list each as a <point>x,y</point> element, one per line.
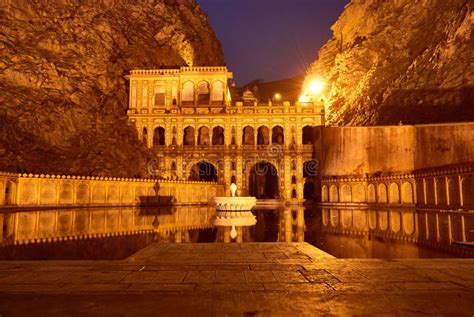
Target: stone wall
<point>53,190</point>
<point>430,166</point>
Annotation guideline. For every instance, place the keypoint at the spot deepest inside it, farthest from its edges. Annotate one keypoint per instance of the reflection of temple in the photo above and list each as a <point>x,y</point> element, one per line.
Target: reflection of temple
<point>281,225</point>
<point>188,116</point>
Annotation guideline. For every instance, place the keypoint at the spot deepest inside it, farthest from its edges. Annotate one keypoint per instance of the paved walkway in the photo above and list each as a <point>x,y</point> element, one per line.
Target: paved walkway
<point>285,279</point>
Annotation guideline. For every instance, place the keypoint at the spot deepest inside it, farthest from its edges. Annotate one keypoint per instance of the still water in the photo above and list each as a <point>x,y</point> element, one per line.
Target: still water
<point>116,233</point>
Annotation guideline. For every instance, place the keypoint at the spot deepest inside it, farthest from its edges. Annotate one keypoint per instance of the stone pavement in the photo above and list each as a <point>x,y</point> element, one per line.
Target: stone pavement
<point>283,279</point>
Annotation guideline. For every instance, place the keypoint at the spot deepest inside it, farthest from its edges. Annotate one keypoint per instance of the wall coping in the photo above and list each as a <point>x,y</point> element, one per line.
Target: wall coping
<point>428,172</point>
<point>102,178</point>
<point>468,123</point>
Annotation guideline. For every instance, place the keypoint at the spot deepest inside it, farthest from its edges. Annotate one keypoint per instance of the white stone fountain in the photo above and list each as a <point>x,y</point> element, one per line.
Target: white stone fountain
<point>234,211</point>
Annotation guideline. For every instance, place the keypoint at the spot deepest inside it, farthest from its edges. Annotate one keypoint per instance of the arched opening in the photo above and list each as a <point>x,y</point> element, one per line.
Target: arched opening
<point>309,135</point>
<point>233,179</point>
<point>188,136</point>
<point>145,136</point>
<point>203,172</point>
<point>309,190</point>
<point>187,95</point>
<point>203,136</point>
<point>278,136</point>
<point>248,137</point>
<point>7,194</point>
<point>217,92</point>
<point>263,181</point>
<point>263,136</point>
<point>293,193</point>
<point>159,136</point>
<point>293,179</point>
<point>203,93</point>
<point>218,136</point>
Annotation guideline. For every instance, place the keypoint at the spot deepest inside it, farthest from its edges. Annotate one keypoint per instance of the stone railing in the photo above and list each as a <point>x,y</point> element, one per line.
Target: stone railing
<point>449,187</point>
<point>154,72</point>
<point>58,190</point>
<point>201,69</point>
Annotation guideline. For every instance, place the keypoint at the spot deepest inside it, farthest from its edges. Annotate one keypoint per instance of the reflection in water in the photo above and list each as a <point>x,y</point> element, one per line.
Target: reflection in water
<point>99,233</point>
<point>355,233</point>
<point>115,233</point>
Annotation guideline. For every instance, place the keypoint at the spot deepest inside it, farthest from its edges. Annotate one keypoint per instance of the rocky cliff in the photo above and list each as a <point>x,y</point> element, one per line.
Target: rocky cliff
<point>399,60</point>
<point>63,90</point>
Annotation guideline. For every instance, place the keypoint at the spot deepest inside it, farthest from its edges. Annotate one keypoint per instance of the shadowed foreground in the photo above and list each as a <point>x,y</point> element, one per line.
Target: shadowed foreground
<point>217,279</point>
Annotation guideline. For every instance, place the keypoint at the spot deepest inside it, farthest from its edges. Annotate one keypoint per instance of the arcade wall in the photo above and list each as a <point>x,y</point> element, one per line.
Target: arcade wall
<point>430,166</point>
<point>53,190</point>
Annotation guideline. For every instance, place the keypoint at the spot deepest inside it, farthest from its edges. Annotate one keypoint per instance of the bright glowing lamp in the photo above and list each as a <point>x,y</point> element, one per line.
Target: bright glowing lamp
<point>315,87</point>
<point>277,97</point>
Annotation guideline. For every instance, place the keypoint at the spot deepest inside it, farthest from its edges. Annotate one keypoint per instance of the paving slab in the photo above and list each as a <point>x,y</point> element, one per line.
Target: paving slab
<point>267,279</point>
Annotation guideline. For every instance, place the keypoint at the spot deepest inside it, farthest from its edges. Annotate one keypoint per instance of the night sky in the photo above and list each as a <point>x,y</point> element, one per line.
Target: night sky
<point>271,39</point>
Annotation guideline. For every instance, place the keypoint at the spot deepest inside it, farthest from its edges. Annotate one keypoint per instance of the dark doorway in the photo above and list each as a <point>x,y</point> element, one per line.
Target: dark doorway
<point>263,136</point>
<point>218,136</point>
<point>263,181</point>
<point>248,137</point>
<point>159,136</point>
<point>278,136</point>
<point>203,172</point>
<point>145,136</point>
<point>188,136</point>
<point>309,190</point>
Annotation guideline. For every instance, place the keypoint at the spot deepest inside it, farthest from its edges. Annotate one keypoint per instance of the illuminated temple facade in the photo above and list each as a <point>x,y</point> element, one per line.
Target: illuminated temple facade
<point>201,129</point>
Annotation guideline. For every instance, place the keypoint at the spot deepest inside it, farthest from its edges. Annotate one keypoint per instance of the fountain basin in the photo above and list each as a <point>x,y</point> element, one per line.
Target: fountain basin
<point>235,203</point>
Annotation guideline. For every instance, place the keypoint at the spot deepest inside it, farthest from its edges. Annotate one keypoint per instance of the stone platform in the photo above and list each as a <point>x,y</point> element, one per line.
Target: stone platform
<point>271,279</point>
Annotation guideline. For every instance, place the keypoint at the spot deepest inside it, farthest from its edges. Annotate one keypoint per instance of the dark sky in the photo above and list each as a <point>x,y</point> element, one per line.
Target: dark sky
<point>271,39</point>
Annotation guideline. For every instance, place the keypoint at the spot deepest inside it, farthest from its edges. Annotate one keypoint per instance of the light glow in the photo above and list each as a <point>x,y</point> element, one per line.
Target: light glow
<point>316,87</point>
<point>304,99</point>
<point>277,97</point>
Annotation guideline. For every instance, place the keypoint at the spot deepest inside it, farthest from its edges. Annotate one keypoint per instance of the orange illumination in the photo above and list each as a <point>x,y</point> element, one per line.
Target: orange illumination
<point>315,87</point>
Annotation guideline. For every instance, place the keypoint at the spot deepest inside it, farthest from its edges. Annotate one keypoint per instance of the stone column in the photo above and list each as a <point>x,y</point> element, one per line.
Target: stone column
<point>239,176</point>
<point>299,178</point>
<point>287,176</point>
<point>227,173</point>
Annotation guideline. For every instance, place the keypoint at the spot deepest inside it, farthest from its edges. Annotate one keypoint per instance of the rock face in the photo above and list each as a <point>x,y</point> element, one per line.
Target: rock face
<point>399,60</point>
<point>64,96</point>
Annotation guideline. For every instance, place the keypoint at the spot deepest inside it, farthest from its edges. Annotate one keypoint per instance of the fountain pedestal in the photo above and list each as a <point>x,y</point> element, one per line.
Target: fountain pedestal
<point>234,211</point>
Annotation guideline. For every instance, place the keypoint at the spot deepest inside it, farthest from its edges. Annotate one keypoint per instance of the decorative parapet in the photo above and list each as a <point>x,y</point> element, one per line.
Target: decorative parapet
<point>445,187</point>
<point>335,179</point>
<point>204,69</point>
<point>115,179</point>
<point>154,72</point>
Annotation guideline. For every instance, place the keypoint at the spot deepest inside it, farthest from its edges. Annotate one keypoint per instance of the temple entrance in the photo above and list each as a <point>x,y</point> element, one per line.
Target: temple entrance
<point>203,172</point>
<point>263,181</point>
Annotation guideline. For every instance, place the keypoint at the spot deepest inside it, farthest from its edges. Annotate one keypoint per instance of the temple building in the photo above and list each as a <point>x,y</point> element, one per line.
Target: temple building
<point>201,129</point>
